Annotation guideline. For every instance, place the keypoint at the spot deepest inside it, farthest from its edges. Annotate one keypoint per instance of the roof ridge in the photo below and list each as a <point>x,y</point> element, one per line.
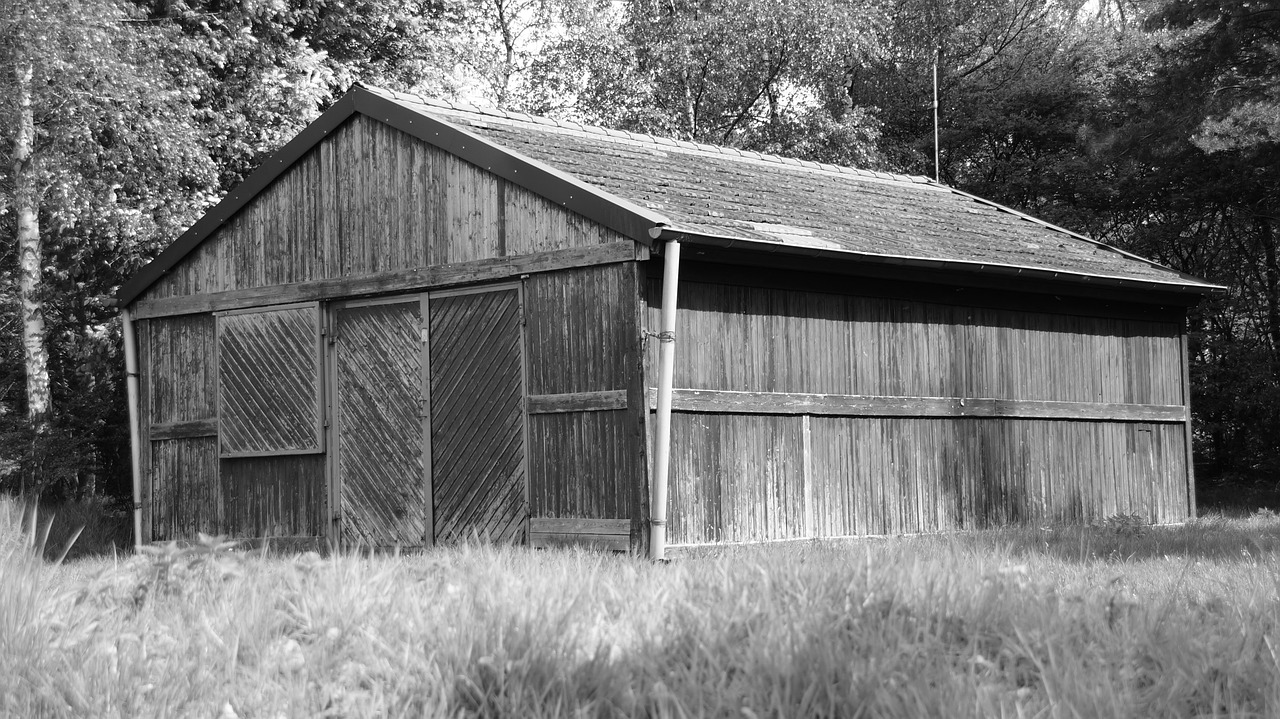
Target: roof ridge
<point>575,127</point>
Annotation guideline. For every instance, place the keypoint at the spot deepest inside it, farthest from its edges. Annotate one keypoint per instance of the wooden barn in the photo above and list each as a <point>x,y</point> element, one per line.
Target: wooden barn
<point>419,323</point>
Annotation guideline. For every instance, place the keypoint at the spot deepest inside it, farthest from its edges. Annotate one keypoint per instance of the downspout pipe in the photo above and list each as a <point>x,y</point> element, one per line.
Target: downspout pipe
<point>662,430</point>
<point>135,432</point>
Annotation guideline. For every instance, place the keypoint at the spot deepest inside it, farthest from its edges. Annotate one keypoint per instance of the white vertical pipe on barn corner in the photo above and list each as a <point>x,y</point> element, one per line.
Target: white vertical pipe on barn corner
<point>662,432</point>
<point>135,432</point>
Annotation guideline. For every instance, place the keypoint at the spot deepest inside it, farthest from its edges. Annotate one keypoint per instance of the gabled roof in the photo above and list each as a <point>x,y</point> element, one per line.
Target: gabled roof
<point>650,188</point>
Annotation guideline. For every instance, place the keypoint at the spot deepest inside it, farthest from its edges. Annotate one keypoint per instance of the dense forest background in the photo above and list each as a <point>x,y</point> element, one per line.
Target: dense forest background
<point>1153,125</point>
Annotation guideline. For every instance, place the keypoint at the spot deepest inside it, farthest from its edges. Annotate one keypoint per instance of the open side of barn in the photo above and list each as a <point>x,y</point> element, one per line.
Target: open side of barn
<point>418,324</point>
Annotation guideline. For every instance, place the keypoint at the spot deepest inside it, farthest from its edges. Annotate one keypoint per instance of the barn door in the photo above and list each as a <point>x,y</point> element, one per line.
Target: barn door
<point>477,415</point>
<point>380,465</point>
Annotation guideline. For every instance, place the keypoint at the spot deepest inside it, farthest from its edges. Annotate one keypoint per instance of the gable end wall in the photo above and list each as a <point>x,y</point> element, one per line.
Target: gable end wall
<point>371,199</point>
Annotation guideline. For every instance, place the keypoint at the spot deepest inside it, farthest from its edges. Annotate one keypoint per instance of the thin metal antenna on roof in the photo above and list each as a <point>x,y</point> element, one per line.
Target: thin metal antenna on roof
<point>936,163</point>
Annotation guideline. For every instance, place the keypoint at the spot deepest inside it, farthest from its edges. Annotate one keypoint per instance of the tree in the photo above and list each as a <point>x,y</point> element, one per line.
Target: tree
<point>1221,74</point>
<point>99,154</point>
<point>754,74</point>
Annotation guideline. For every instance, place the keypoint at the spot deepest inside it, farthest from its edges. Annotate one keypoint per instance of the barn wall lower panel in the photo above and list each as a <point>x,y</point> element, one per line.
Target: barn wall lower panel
<point>274,496</point>
<point>749,478</point>
<point>186,495</point>
<point>735,478</point>
<point>585,465</point>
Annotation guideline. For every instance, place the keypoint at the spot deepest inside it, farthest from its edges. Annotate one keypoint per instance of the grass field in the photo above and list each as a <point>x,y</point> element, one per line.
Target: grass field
<point>1110,621</point>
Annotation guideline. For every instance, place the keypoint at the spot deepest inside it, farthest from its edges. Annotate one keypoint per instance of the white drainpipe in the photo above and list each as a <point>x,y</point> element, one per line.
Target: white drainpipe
<point>131,385</point>
<point>662,431</point>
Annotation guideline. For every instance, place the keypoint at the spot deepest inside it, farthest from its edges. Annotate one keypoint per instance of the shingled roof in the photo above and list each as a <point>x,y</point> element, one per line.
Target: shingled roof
<point>657,188</point>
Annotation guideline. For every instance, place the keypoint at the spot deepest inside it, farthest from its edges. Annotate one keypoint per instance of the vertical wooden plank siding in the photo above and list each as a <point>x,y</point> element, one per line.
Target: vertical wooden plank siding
<point>188,494</point>
<point>740,478</point>
<point>1190,429</point>
<point>743,477</point>
<point>638,409</point>
<point>735,478</point>
<point>582,336</point>
<point>767,340</point>
<point>184,494</point>
<point>273,496</point>
<point>371,199</point>
<point>182,383</point>
<point>143,338</point>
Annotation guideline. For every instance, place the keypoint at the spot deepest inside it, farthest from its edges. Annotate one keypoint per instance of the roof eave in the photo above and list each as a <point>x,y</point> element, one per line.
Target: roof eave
<point>1189,280</point>
<point>959,266</point>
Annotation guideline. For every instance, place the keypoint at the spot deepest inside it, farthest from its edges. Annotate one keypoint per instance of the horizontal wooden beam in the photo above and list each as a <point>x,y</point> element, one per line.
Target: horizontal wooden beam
<point>612,534</point>
<point>185,430</point>
<point>578,402</point>
<point>422,278</point>
<point>847,405</point>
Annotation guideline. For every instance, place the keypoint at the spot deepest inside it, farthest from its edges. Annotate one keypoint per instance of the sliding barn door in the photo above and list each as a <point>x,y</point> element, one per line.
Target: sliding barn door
<point>381,460</point>
<point>477,415</point>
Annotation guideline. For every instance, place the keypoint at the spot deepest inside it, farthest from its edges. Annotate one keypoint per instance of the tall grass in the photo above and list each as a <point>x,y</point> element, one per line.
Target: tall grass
<point>1070,622</point>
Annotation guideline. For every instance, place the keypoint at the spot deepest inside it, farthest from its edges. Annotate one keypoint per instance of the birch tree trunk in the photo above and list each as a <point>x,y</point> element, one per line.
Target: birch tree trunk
<point>30,257</point>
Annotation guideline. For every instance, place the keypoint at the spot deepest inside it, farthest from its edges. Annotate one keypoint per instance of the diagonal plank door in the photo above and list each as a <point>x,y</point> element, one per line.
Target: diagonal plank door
<point>477,416</point>
<point>381,463</point>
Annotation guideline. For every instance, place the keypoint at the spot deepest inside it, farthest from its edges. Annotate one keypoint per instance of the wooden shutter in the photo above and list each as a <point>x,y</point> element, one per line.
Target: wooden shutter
<point>269,399</point>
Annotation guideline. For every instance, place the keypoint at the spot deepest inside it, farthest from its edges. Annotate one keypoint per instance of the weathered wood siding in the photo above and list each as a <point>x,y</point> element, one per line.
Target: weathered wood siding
<point>769,340</point>
<point>1077,418</point>
<point>186,488</point>
<point>586,394</point>
<point>371,199</point>
<point>741,477</point>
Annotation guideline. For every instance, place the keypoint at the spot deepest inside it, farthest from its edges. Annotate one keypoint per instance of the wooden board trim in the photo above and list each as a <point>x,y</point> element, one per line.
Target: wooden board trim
<point>423,278</point>
<point>601,401</point>
<point>842,405</point>
<point>611,534</point>
<point>185,430</point>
